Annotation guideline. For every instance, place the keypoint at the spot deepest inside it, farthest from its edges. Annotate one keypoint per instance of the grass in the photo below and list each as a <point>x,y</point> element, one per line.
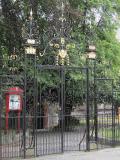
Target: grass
<point>109,133</point>
<point>101,120</point>
<point>105,129</point>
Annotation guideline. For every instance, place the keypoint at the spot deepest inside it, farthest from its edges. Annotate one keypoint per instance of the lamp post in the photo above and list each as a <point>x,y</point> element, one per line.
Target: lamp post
<point>30,35</point>
<point>1,107</point>
<point>91,54</point>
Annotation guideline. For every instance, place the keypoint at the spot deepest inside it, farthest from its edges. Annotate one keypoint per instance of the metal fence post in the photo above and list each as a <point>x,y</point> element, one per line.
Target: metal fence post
<point>62,108</point>
<point>1,105</point>
<point>113,119</point>
<point>35,108</point>
<point>24,111</point>
<point>88,113</point>
<point>95,105</point>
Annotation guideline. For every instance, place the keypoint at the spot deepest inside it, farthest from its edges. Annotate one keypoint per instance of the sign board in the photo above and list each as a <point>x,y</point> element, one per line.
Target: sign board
<point>14,102</point>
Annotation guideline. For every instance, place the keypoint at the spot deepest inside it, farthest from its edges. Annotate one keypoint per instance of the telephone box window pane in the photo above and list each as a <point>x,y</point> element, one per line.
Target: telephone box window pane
<point>14,102</point>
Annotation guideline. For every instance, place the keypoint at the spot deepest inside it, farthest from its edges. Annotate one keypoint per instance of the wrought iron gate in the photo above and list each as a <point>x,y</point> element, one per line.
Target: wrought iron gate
<point>62,112</point>
<point>103,124</point>
<point>55,116</point>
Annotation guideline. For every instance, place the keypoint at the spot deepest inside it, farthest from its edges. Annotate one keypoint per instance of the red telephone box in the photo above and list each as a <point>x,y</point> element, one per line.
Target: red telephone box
<point>13,103</point>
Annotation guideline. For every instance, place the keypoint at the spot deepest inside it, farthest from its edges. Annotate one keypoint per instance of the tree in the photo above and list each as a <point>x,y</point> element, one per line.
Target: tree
<point>87,22</point>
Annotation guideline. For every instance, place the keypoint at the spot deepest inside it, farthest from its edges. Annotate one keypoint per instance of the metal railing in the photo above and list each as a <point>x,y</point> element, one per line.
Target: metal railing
<point>52,137</point>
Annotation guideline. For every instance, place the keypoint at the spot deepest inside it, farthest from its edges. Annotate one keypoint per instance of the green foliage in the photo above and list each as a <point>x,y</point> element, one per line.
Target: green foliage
<point>93,21</point>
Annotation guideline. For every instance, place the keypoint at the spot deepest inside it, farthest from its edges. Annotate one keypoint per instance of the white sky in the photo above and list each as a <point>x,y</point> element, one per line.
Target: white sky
<point>118,34</point>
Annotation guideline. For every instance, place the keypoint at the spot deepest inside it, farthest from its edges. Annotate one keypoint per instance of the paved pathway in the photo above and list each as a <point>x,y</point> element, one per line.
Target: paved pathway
<point>106,154</point>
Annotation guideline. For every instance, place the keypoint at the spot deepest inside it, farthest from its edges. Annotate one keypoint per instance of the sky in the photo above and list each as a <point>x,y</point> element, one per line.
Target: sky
<point>118,34</point>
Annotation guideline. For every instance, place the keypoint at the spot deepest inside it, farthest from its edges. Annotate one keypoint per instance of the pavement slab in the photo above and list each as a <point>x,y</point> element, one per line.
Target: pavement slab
<point>106,154</point>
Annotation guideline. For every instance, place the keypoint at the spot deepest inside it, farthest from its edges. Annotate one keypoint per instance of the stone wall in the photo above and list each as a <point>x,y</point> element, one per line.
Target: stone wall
<point>79,110</point>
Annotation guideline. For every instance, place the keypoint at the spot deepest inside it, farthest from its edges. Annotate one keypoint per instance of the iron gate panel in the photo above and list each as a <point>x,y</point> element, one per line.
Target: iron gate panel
<point>105,113</point>
<point>49,133</point>
<point>48,122</point>
<point>75,109</point>
<point>116,95</point>
<point>70,130</point>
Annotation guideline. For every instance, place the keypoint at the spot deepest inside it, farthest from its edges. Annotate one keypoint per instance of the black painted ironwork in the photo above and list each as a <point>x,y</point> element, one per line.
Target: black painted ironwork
<point>58,111</point>
<point>68,125</point>
<point>42,131</point>
<point>65,108</point>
